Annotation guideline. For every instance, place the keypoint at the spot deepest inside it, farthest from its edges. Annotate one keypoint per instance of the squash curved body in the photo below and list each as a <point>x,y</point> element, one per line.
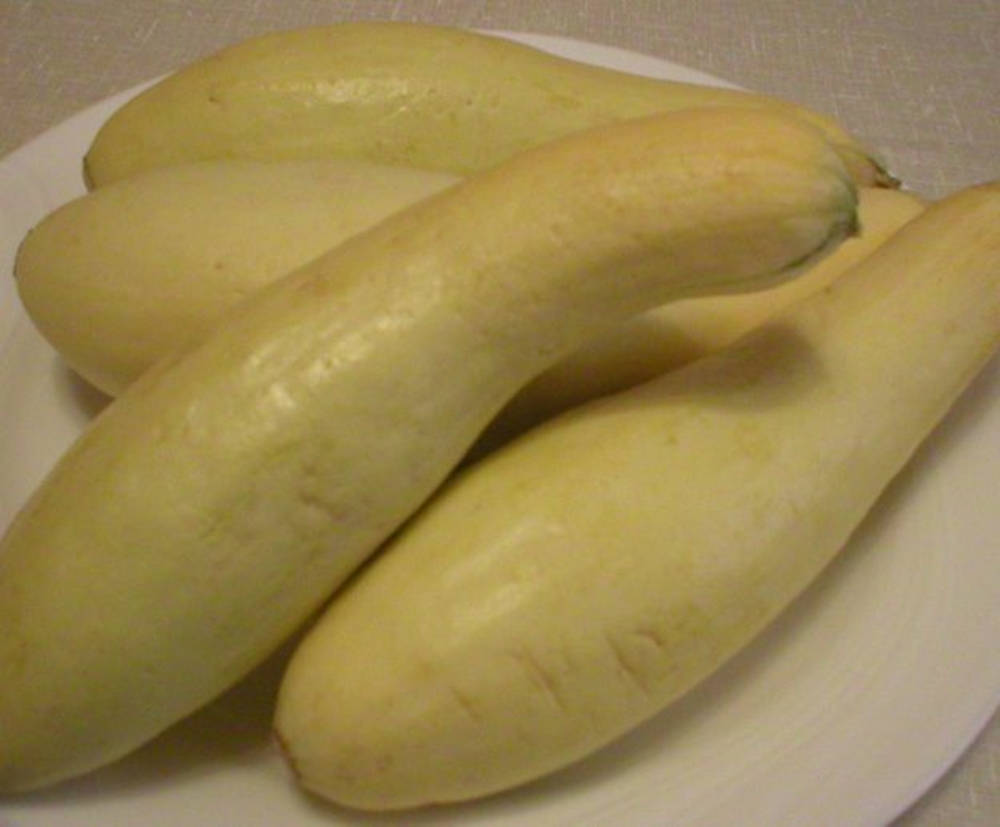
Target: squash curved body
<point>576,581</point>
<point>417,95</point>
<point>210,509</point>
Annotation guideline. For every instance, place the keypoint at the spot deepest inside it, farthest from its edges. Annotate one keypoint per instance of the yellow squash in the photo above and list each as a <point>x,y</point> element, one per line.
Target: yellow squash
<point>221,499</point>
<point>399,93</point>
<point>122,276</point>
<point>575,582</point>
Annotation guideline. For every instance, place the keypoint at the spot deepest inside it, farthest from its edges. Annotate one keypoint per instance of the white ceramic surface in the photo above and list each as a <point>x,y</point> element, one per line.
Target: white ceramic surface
<point>848,708</point>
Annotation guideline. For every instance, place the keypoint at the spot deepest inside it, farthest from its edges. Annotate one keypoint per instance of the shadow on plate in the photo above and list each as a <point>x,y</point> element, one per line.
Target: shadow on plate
<point>234,729</point>
<point>85,399</point>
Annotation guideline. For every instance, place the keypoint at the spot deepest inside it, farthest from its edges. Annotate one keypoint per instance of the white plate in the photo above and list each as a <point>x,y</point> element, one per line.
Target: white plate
<point>842,714</point>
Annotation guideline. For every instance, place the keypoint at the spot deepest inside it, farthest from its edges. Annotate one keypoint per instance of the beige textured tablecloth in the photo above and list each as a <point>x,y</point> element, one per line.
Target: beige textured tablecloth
<point>917,79</point>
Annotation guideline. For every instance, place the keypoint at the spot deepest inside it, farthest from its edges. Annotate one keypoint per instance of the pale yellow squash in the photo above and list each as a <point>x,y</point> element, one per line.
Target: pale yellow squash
<point>221,499</point>
<point>401,93</point>
<point>579,579</point>
<point>122,276</point>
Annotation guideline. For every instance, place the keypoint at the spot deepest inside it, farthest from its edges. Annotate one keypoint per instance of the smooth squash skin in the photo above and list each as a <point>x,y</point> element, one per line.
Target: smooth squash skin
<point>575,582</point>
<point>121,277</point>
<point>400,93</point>
<point>215,505</point>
